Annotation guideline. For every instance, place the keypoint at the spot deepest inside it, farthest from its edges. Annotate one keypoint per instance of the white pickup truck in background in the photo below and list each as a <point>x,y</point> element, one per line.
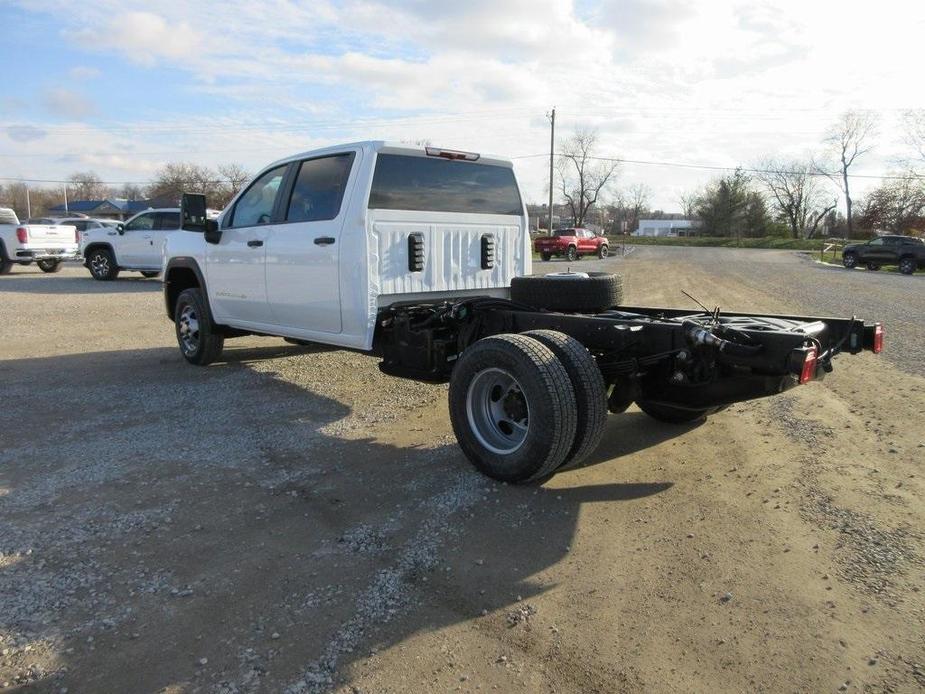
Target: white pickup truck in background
<point>136,245</point>
<point>45,244</point>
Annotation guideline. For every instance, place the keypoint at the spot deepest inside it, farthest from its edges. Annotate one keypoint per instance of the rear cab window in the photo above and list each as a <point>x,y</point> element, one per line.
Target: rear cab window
<point>167,221</point>
<point>429,184</point>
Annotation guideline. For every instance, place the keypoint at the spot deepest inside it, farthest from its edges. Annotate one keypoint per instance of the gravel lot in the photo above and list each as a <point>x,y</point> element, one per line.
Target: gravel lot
<point>291,520</point>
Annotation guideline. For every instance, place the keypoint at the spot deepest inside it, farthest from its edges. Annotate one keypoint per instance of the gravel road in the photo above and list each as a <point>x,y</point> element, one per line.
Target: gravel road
<point>289,519</point>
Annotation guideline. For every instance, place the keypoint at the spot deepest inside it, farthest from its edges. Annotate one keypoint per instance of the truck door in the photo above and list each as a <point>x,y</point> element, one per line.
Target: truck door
<point>135,237</point>
<point>153,252</point>
<point>303,251</point>
<point>236,265</point>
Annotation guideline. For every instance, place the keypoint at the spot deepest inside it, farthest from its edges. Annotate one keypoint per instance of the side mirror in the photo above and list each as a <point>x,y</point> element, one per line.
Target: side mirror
<point>120,228</point>
<point>194,217</point>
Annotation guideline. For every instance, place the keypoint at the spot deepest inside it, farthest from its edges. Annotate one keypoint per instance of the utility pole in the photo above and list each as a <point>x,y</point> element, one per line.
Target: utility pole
<point>552,153</point>
<point>28,203</point>
<point>65,198</point>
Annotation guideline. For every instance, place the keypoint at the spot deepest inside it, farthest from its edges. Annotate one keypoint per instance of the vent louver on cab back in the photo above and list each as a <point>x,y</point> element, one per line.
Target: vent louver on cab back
<point>415,252</point>
<point>488,251</point>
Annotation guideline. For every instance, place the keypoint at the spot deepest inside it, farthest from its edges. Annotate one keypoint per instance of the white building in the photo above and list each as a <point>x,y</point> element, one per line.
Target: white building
<point>667,227</point>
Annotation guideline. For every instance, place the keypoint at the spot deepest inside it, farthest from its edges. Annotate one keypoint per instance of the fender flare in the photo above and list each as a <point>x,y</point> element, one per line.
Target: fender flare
<point>93,245</point>
<point>185,263</point>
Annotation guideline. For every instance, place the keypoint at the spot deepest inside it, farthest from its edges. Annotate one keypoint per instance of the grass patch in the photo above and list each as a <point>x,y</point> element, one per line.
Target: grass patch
<point>724,242</point>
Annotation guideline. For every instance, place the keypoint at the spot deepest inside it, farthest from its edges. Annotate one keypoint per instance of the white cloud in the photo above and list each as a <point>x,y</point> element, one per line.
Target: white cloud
<point>83,73</point>
<point>25,133</point>
<point>145,37</point>
<point>67,103</point>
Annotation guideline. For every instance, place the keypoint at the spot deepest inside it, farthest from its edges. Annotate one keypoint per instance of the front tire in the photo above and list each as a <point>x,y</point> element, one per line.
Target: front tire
<point>102,265</point>
<point>603,251</point>
<point>907,265</point>
<point>849,260</point>
<point>590,392</point>
<point>196,336</point>
<point>512,407</point>
<point>571,254</point>
<point>673,415</point>
<point>49,265</point>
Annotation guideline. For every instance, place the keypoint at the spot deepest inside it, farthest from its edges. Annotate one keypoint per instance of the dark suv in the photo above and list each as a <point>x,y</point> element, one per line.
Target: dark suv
<point>908,252</point>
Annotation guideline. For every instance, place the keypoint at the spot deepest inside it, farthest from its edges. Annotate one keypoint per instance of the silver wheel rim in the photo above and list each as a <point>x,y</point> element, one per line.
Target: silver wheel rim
<point>188,329</point>
<point>905,265</point>
<point>850,261</point>
<point>604,251</point>
<point>99,264</point>
<point>497,410</point>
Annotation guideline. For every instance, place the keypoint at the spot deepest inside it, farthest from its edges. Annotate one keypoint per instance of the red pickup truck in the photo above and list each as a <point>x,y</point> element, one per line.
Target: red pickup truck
<point>571,243</point>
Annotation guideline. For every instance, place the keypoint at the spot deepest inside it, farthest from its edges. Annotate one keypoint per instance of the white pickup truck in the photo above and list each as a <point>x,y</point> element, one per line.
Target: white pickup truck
<point>138,244</point>
<point>422,257</point>
<point>45,244</point>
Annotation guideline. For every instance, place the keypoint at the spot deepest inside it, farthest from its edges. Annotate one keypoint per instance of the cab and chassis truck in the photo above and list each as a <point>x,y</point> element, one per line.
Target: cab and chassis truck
<point>422,257</point>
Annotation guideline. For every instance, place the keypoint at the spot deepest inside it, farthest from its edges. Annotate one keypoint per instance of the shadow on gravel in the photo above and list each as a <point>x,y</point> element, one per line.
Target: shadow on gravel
<point>39,282</point>
<point>213,528</point>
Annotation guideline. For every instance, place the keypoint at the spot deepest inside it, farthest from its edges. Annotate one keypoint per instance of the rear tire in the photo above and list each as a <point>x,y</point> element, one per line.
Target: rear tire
<point>545,257</point>
<point>5,263</point>
<point>512,407</point>
<point>150,273</point>
<point>590,392</point>
<point>196,336</point>
<point>673,415</point>
<point>49,265</point>
<point>907,265</point>
<point>102,265</point>
<point>849,260</point>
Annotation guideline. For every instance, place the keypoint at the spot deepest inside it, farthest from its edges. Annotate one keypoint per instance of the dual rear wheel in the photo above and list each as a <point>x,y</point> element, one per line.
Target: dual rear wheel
<point>524,406</point>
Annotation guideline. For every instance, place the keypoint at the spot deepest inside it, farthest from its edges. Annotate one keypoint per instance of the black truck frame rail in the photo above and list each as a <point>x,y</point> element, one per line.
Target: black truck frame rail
<point>687,359</point>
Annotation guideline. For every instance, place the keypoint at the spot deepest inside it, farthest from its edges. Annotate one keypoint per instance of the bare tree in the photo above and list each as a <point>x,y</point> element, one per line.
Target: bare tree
<point>897,205</point>
<point>632,202</point>
<point>582,178</point>
<point>796,195</point>
<point>914,125</point>
<point>131,191</point>
<point>232,178</point>
<point>688,201</point>
<point>848,140</point>
<point>86,185</point>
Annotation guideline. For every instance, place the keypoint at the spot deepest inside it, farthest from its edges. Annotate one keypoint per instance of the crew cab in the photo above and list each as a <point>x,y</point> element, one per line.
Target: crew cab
<point>907,252</point>
<point>138,244</point>
<point>422,257</point>
<point>48,245</point>
<point>571,244</point>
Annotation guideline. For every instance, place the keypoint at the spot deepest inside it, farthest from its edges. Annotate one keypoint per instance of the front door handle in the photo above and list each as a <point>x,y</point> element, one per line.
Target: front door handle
<point>324,240</point>
<point>256,243</point>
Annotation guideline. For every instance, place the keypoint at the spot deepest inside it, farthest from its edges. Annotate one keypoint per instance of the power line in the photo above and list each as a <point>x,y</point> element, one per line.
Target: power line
<point>715,167</point>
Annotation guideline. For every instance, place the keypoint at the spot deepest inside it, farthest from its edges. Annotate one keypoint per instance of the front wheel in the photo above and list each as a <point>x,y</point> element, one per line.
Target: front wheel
<point>849,260</point>
<point>199,343</point>
<point>907,265</point>
<point>873,267</point>
<point>603,251</point>
<point>672,415</point>
<point>571,253</point>
<point>102,265</point>
<point>49,265</point>
<point>512,407</point>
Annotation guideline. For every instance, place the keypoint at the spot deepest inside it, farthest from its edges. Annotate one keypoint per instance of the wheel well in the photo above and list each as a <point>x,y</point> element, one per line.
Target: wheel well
<point>176,280</point>
<point>94,246</point>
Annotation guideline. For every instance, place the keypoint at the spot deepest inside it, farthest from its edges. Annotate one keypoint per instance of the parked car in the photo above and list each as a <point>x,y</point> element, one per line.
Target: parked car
<point>421,256</point>
<point>135,245</point>
<point>571,244</point>
<point>45,244</point>
<point>907,252</point>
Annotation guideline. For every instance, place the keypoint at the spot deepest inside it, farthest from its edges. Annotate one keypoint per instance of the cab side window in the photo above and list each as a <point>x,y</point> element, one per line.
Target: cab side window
<point>256,205</point>
<point>143,222</point>
<point>876,242</point>
<point>167,221</point>
<point>319,188</point>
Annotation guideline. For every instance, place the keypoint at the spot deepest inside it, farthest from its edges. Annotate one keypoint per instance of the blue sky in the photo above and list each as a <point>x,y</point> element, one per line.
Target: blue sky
<point>120,87</point>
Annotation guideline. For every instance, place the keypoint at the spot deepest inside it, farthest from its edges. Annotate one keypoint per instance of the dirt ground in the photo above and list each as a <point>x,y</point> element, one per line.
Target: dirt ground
<point>291,520</point>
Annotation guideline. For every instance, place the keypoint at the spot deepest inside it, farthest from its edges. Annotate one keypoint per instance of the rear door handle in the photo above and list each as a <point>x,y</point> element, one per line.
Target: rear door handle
<point>256,243</point>
<point>324,240</point>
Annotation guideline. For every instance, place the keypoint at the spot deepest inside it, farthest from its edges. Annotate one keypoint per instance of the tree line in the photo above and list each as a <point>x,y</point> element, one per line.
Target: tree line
<point>797,197</point>
<point>169,183</point>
